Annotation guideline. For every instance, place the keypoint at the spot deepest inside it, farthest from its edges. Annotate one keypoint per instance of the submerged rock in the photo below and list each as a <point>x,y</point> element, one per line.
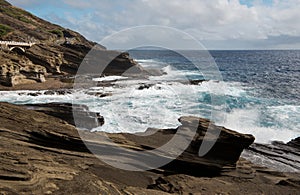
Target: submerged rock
<point>99,94</point>
<point>145,86</point>
<point>197,82</point>
<point>58,92</point>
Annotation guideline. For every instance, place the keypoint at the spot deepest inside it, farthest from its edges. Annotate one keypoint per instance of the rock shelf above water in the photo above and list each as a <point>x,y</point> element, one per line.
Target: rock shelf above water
<point>43,154</point>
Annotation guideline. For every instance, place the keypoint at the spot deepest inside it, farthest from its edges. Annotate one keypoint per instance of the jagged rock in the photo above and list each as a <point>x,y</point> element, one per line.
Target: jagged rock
<point>47,56</point>
<point>223,155</point>
<point>197,82</point>
<point>17,71</point>
<point>107,63</point>
<point>123,65</point>
<point>58,92</point>
<point>295,143</point>
<point>145,86</point>
<point>34,94</point>
<point>227,148</point>
<point>65,111</point>
<point>276,155</point>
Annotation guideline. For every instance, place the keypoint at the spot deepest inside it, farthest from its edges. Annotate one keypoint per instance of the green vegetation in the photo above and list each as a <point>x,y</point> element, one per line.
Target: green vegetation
<point>57,32</point>
<point>4,30</point>
<point>15,13</point>
<point>4,3</point>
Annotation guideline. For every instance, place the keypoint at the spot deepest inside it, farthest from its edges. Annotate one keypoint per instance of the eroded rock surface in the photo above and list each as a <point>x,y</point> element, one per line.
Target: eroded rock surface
<point>41,154</point>
<point>276,155</point>
<point>16,70</point>
<point>66,111</point>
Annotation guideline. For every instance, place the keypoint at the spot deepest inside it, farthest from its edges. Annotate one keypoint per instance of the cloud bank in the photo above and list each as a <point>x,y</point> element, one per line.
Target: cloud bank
<point>219,24</point>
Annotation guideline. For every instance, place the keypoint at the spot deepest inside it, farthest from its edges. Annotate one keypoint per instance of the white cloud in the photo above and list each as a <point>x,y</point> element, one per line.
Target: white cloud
<point>206,20</point>
<point>24,3</point>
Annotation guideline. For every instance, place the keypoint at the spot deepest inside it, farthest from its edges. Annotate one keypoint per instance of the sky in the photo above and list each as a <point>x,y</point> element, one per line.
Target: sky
<point>216,24</point>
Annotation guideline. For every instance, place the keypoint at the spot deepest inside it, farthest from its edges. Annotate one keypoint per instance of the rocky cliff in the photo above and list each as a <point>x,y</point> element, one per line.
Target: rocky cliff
<point>57,51</point>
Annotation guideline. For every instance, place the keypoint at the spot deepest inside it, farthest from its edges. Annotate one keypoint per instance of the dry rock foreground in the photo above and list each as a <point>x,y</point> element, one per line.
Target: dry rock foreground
<point>41,154</point>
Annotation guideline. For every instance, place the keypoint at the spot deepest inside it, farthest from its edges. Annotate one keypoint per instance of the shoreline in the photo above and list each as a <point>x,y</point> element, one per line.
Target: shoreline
<point>54,86</point>
<point>268,151</point>
<point>49,84</point>
<point>49,153</point>
<point>50,134</point>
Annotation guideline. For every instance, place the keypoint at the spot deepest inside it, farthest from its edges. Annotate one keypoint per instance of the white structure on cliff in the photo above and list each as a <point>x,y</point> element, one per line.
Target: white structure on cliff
<point>11,45</point>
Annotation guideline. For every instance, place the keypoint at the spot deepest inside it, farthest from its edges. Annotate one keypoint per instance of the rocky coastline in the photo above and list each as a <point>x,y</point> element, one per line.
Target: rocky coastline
<point>56,53</point>
<point>42,152</point>
<point>277,155</point>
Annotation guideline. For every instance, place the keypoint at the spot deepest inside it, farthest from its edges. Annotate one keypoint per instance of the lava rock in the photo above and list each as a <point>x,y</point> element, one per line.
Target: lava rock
<point>66,111</point>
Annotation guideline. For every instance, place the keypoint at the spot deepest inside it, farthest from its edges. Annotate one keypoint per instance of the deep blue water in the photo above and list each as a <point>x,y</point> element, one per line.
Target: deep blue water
<point>272,73</point>
<point>263,87</point>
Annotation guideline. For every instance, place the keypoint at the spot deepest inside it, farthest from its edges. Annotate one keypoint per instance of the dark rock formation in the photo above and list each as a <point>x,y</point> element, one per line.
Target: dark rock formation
<point>197,82</point>
<point>99,94</point>
<point>145,86</point>
<point>277,155</point>
<point>295,143</point>
<point>107,63</point>
<point>84,117</point>
<point>47,92</point>
<point>58,92</point>
<point>123,65</point>
<point>41,154</point>
<point>223,155</point>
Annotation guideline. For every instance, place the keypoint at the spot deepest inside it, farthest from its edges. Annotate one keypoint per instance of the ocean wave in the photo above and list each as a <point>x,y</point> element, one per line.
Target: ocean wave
<point>254,120</point>
<point>151,63</point>
<point>109,78</point>
<point>160,105</point>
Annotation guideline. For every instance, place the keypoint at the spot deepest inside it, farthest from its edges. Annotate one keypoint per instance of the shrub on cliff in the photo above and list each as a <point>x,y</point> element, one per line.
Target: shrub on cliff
<point>4,30</point>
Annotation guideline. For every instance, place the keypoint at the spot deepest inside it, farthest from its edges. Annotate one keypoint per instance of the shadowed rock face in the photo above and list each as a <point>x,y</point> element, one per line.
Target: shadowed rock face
<point>58,51</point>
<point>295,143</point>
<point>278,155</point>
<point>65,111</point>
<point>42,154</point>
<point>223,155</point>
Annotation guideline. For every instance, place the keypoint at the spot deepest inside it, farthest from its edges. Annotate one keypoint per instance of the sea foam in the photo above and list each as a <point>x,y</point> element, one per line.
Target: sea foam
<point>130,109</point>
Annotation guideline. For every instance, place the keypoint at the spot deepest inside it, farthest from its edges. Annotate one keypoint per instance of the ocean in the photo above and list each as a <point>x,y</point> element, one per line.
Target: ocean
<point>259,96</point>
